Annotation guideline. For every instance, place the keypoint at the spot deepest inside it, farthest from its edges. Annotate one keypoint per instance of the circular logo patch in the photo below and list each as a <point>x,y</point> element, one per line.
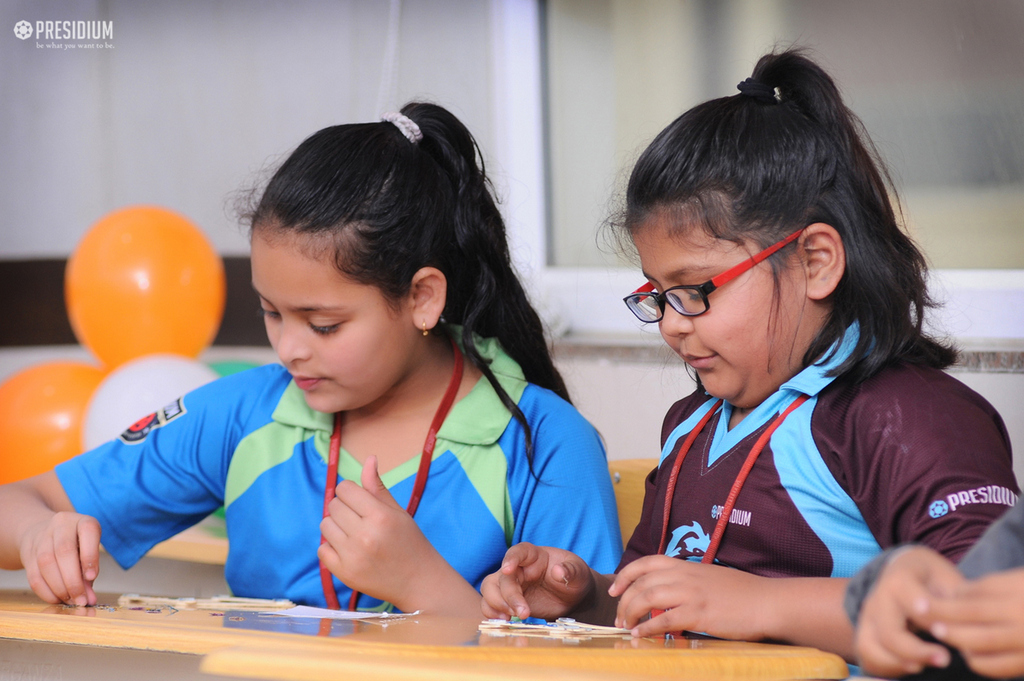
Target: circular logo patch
<point>938,509</point>
<point>23,30</point>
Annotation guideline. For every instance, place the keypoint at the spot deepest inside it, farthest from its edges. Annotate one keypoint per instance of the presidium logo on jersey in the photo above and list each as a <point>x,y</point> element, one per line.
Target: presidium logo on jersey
<point>989,494</point>
<point>138,431</point>
<point>692,540</point>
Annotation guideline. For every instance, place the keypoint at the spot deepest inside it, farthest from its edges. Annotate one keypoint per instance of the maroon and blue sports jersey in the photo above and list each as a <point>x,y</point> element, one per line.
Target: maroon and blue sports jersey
<point>909,455</point>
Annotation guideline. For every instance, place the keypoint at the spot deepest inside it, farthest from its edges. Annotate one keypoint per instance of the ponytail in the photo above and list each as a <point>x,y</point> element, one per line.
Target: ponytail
<point>484,294</point>
<point>758,166</point>
<point>390,199</point>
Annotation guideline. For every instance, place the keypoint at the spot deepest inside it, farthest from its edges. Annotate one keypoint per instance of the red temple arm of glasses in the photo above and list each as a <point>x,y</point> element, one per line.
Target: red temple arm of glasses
<point>736,271</point>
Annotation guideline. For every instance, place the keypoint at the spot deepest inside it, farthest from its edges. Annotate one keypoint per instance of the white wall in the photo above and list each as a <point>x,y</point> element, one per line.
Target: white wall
<point>194,100</point>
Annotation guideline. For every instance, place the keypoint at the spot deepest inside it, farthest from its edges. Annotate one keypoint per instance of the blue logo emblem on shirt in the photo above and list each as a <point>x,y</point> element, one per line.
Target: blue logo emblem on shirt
<point>938,509</point>
<point>694,540</point>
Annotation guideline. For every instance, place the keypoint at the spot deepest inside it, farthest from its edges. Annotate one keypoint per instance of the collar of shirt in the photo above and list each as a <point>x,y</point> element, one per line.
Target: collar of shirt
<point>810,381</point>
<point>477,419</point>
<point>814,378</point>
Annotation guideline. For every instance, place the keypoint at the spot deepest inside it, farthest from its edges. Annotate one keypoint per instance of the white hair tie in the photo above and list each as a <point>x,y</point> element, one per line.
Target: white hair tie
<point>408,126</point>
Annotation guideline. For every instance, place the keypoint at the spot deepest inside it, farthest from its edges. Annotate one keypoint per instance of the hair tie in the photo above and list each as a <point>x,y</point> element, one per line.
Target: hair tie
<point>405,124</point>
<point>759,91</point>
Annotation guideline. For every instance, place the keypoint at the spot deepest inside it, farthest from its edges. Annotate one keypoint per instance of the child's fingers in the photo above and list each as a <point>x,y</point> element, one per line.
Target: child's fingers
<point>330,558</point>
<point>886,645</point>
<point>90,593</point>
<point>343,515</point>
<point>492,603</point>
<point>503,591</point>
<point>69,565</point>
<point>658,590</point>
<point>38,584</point>
<point>984,617</point>
<point>370,478</point>
<point>922,572</point>
<point>520,555</point>
<point>510,591</point>
<point>333,533</point>
<point>898,655</point>
<point>355,497</point>
<point>994,636</point>
<point>902,600</point>
<point>568,576</point>
<point>637,569</point>
<point>668,621</point>
<point>89,548</point>
<point>50,574</point>
<point>1004,665</point>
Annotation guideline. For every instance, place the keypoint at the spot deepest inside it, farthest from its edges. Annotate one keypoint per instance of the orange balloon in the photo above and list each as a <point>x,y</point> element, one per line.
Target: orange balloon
<point>144,280</point>
<point>42,409</point>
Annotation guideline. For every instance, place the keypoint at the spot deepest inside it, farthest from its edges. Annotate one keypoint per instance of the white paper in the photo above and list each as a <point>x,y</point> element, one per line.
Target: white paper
<point>324,613</point>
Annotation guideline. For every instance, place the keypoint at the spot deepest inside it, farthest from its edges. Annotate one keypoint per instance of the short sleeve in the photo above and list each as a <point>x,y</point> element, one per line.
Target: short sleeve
<point>566,500</point>
<point>167,471</point>
<point>926,459</point>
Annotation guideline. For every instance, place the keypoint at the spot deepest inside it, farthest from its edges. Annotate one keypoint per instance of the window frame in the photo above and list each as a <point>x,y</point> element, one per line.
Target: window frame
<point>979,306</point>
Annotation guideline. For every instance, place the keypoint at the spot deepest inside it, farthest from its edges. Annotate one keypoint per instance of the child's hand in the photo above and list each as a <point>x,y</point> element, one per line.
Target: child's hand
<point>713,599</point>
<point>537,581</point>
<point>984,619</point>
<point>374,546</point>
<point>898,604</point>
<point>61,558</point>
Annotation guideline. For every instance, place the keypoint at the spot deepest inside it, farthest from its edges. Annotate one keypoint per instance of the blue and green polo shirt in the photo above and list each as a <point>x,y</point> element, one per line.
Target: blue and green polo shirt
<point>250,442</point>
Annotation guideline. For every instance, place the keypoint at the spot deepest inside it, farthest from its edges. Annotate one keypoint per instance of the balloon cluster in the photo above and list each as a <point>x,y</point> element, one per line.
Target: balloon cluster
<point>145,294</point>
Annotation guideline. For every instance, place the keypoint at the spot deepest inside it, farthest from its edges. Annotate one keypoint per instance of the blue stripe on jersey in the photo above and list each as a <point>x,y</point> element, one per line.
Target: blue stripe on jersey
<point>683,429</point>
<point>823,503</point>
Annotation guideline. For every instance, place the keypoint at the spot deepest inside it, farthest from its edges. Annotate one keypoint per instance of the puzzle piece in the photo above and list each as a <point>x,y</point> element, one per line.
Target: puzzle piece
<point>563,628</point>
<point>215,603</point>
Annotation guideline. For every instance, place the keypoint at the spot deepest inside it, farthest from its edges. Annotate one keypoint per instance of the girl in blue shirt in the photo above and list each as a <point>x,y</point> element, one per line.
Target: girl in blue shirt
<point>380,260</point>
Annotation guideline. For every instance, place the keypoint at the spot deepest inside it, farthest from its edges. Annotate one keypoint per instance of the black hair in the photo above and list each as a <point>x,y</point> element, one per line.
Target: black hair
<point>389,206</point>
<point>787,154</point>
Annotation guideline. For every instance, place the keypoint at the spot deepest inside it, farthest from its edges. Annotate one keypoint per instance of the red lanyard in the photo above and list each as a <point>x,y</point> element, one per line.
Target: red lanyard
<point>737,485</point>
<point>421,474</point>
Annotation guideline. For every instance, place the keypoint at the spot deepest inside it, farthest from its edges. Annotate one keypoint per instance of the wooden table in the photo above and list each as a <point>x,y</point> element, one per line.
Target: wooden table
<point>40,641</point>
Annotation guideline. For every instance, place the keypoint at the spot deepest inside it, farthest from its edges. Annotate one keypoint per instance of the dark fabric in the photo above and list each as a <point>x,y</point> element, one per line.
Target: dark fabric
<point>908,438</point>
<point>896,444</point>
<point>778,543</point>
<point>957,670</point>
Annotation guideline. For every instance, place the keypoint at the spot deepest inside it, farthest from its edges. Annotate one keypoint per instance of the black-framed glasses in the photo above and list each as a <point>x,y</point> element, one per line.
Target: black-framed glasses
<point>692,300</point>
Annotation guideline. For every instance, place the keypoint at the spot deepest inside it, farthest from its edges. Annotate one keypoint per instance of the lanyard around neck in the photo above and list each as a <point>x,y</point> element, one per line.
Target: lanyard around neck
<point>737,485</point>
<point>330,593</point>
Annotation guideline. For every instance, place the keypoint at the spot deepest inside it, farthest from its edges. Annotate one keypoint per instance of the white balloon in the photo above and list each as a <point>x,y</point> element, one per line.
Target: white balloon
<point>136,389</point>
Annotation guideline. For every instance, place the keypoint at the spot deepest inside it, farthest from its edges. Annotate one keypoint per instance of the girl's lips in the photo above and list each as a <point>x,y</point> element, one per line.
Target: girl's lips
<point>698,363</point>
<point>305,383</point>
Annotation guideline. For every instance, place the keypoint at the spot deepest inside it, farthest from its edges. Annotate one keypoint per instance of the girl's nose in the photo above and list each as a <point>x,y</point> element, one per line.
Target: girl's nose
<point>291,344</point>
<point>673,324</point>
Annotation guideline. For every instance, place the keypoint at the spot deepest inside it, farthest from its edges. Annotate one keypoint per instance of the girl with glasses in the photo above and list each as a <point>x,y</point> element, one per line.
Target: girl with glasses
<point>411,362</point>
<point>822,429</point>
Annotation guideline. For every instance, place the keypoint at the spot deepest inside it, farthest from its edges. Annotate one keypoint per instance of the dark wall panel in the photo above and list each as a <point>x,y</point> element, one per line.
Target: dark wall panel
<point>32,308</point>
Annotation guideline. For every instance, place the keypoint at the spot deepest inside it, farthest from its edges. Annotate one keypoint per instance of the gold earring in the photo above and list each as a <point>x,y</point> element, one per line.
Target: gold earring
<point>425,332</point>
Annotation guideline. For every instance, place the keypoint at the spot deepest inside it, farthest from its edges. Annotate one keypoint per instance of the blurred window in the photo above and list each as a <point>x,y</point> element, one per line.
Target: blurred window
<point>939,85</point>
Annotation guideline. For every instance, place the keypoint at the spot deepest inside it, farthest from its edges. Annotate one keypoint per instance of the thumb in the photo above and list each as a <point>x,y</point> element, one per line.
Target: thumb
<point>372,483</point>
